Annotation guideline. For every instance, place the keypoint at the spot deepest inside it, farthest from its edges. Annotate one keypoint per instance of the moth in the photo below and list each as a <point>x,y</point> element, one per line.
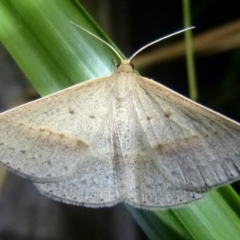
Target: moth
<point>120,138</point>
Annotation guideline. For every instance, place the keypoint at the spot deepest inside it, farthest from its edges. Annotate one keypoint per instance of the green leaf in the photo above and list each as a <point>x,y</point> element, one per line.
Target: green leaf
<point>214,217</point>
<point>54,54</point>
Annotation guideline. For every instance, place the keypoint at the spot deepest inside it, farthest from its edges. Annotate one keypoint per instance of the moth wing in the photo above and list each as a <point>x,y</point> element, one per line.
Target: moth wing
<point>99,180</point>
<point>45,140</point>
<point>188,148</point>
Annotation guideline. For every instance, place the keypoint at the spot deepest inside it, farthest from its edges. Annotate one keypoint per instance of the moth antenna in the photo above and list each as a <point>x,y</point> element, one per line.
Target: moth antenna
<point>158,40</point>
<point>114,50</point>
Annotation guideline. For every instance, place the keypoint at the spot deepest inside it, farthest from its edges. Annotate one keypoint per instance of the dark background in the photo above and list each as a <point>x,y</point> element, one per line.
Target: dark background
<point>130,24</point>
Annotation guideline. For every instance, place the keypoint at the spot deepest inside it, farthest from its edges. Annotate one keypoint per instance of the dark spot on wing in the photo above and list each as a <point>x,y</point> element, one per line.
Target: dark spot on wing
<point>159,147</point>
<point>149,118</point>
<point>71,111</point>
<point>23,151</point>
<point>167,114</point>
<point>92,116</point>
<point>49,163</point>
<point>81,144</point>
<point>195,136</point>
<point>2,143</point>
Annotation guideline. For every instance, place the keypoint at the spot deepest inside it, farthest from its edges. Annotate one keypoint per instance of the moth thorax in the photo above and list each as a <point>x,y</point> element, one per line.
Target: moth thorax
<point>122,86</point>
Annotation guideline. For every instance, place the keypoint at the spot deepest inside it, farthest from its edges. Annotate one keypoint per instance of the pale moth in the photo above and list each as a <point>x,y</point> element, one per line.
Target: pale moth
<point>120,138</point>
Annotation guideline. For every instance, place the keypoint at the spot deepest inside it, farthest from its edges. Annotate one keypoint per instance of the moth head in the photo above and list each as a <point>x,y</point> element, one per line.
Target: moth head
<point>125,66</point>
